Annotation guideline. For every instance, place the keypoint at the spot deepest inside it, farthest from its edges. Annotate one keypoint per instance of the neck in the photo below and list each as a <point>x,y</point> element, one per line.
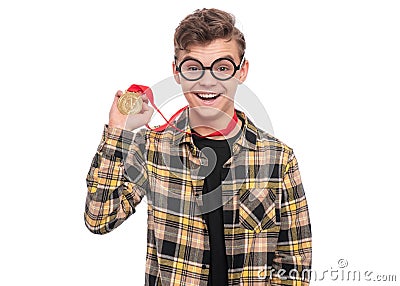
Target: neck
<point>204,125</point>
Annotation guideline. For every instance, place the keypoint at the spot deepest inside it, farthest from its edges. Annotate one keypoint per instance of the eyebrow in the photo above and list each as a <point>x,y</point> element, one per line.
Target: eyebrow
<point>192,58</point>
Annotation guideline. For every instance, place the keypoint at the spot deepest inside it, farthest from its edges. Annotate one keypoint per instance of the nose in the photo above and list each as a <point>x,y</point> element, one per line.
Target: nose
<point>207,79</point>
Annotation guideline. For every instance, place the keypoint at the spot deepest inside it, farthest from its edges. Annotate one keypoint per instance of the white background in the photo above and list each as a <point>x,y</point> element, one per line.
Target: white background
<point>327,72</point>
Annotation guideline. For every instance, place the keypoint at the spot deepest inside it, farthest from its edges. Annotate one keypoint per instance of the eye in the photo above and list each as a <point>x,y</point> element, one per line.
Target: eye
<point>193,68</point>
<point>223,68</point>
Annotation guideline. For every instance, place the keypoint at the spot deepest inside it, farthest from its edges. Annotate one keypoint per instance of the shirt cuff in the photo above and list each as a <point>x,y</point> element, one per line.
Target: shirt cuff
<point>115,142</point>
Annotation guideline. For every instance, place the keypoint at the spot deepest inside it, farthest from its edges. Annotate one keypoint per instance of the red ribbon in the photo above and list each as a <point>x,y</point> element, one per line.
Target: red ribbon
<point>149,93</point>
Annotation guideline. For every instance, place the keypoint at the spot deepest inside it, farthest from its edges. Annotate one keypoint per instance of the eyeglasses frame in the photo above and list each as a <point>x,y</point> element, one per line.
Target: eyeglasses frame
<point>236,68</point>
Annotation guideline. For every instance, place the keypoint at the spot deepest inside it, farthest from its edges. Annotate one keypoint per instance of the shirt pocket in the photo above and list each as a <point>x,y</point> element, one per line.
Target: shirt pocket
<point>258,210</point>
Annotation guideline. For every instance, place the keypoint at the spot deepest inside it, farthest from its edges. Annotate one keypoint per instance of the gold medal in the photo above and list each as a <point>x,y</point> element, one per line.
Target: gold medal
<point>130,103</point>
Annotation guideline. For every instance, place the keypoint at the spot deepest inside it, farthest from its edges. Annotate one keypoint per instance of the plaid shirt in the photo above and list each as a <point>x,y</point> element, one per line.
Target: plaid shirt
<point>266,222</point>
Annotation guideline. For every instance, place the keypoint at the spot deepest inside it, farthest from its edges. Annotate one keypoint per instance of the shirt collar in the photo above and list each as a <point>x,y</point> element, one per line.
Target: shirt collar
<point>248,139</point>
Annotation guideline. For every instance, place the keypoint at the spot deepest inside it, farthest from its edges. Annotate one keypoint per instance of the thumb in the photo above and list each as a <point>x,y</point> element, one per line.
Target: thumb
<point>116,98</point>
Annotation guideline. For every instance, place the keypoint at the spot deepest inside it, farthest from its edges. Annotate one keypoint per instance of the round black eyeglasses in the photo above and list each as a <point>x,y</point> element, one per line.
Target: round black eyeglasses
<point>221,69</point>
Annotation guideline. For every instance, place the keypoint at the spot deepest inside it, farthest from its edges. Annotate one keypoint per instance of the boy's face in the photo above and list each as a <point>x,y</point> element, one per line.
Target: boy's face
<point>209,96</point>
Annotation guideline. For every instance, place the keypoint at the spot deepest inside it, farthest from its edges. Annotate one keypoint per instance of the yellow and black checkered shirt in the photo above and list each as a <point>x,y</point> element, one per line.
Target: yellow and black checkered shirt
<point>266,222</point>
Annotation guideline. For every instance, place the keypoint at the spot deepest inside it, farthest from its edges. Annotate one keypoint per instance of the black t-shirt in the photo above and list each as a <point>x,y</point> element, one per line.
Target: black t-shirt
<point>214,219</point>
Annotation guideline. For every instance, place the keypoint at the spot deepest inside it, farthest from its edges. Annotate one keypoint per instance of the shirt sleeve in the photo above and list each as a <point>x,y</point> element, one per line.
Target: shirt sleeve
<point>117,179</point>
<point>292,259</point>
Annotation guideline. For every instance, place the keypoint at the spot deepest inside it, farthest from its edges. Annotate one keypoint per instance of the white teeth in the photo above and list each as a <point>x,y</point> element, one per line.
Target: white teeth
<point>207,95</point>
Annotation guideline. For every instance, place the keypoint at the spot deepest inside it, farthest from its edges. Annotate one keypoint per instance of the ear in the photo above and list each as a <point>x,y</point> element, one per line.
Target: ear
<point>243,71</point>
<point>176,73</point>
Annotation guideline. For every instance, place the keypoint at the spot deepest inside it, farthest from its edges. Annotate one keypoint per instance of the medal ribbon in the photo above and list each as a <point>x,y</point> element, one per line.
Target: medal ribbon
<point>149,93</point>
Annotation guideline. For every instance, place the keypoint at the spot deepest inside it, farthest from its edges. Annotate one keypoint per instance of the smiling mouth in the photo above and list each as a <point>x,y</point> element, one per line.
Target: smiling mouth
<point>207,96</point>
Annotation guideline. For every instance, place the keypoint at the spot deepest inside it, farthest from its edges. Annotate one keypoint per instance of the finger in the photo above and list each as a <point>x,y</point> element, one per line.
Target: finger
<point>119,93</point>
<point>114,107</point>
<point>115,100</point>
<point>145,98</point>
<point>145,106</point>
